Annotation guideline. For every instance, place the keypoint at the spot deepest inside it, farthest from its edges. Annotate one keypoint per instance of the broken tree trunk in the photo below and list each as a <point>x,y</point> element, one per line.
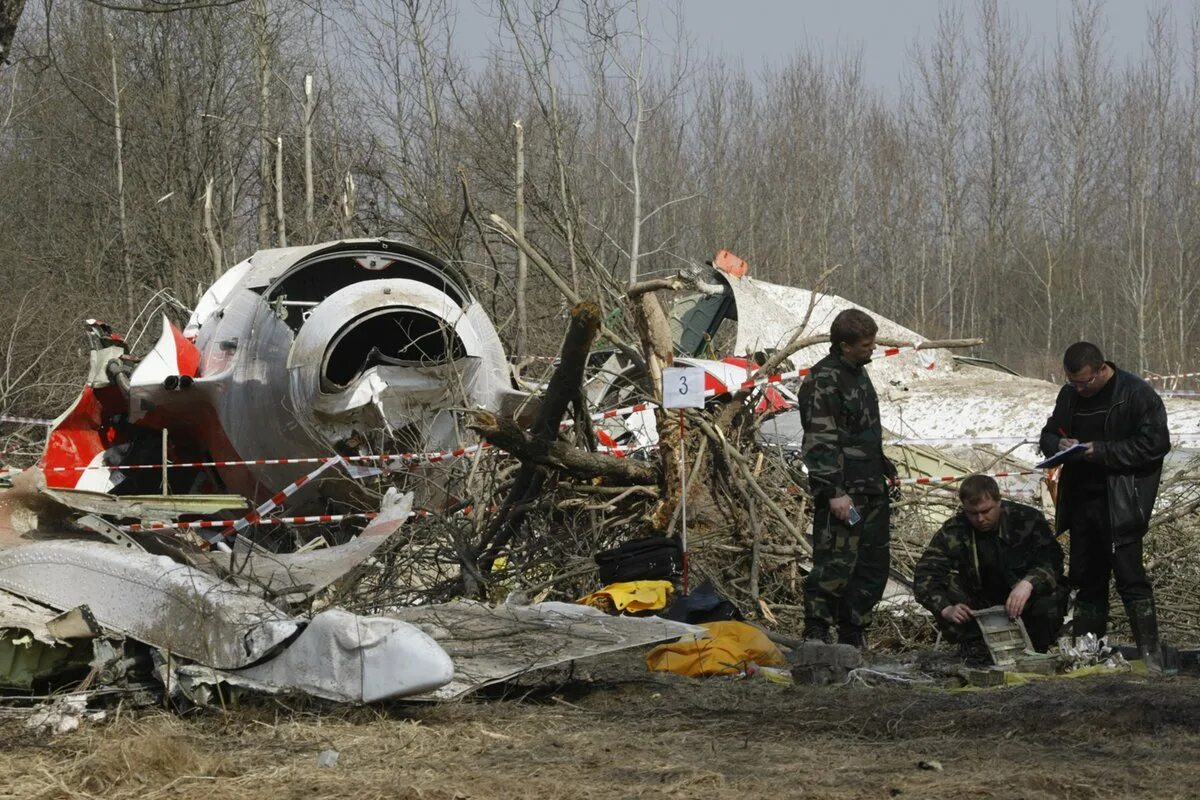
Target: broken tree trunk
<point>508,436</point>
<point>537,446</point>
<point>654,331</point>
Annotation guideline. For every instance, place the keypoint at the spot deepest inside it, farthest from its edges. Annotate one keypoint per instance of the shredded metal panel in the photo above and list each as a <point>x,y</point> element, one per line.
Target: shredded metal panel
<point>150,598</point>
<point>26,615</point>
<point>489,644</point>
<point>156,507</point>
<point>291,576</point>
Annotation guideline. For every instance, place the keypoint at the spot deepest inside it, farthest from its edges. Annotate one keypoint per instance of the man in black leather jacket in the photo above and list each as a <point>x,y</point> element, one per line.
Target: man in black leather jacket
<point>1107,492</point>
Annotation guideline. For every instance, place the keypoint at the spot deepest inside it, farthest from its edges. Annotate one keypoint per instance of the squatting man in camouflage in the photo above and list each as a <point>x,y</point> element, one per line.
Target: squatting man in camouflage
<point>848,476</point>
<point>993,552</point>
<point>1107,491</point>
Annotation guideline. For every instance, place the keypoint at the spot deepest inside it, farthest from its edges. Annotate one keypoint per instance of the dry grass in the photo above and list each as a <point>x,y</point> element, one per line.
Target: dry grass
<point>623,732</point>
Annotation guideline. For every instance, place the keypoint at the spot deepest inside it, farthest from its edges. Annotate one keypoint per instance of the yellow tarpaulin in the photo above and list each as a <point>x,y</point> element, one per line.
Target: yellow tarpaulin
<point>630,597</point>
<point>726,649</point>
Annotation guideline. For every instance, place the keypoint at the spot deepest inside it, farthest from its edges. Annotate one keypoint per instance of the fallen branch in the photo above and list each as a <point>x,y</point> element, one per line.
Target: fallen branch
<point>582,464</point>
<point>674,283</point>
<point>535,447</point>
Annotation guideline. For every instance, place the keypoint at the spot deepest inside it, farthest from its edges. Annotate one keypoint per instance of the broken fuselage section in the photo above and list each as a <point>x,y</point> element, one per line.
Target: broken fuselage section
<point>346,351</point>
<point>352,348</point>
<point>301,371</point>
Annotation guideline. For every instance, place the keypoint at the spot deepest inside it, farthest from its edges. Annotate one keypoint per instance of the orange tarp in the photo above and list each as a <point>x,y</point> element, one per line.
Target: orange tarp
<point>727,648</point>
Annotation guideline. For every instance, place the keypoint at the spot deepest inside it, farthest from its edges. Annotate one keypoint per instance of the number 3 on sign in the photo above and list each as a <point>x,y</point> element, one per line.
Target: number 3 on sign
<point>683,387</point>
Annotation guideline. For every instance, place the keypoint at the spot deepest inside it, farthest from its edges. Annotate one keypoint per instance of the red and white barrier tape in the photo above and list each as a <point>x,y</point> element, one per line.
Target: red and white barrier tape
<point>310,519</point>
<point>208,524</point>
<point>283,494</point>
<point>961,440</point>
<point>1178,440</point>
<point>1150,376</point>
<point>25,420</point>
<point>392,460</point>
<point>399,458</point>
<point>953,478</point>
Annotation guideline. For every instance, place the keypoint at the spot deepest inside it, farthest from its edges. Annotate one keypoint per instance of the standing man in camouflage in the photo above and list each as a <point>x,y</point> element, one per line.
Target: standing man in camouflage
<point>1107,491</point>
<point>848,476</point>
<point>993,552</point>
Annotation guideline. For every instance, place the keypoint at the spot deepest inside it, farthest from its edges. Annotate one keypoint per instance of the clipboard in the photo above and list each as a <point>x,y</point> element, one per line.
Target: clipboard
<point>1062,457</point>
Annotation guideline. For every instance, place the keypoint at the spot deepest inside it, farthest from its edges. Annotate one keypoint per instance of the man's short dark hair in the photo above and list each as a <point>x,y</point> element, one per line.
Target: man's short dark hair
<point>1082,354</point>
<point>976,487</point>
<point>852,326</point>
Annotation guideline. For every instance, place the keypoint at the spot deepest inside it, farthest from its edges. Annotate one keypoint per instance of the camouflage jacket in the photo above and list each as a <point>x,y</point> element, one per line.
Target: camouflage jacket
<point>952,568</point>
<point>843,440</point>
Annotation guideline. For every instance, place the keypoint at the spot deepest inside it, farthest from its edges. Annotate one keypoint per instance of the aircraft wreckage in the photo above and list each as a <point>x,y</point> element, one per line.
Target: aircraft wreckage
<point>299,372</point>
<point>298,368</point>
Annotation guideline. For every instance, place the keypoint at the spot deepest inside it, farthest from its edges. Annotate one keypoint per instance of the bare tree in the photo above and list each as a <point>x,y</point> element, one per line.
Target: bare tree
<point>941,107</point>
<point>119,159</point>
<point>522,259</point>
<point>540,71</point>
<point>262,42</point>
<point>1143,130</point>
<point>619,42</point>
<point>1184,288</point>
<point>309,210</point>
<point>999,179</point>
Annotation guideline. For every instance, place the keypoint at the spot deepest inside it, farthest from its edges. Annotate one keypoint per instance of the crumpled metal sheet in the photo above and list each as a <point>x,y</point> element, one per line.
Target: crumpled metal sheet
<point>1088,650</point>
<point>293,576</point>
<point>149,598</point>
<point>16,612</point>
<point>767,316</point>
<point>346,658</point>
<point>490,644</point>
<point>147,507</point>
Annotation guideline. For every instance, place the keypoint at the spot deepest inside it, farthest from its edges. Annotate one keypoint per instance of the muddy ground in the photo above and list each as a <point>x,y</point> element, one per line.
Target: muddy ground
<point>616,731</point>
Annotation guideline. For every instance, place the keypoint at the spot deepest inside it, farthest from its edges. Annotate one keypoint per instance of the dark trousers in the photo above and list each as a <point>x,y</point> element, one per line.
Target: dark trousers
<point>850,564</point>
<point>1094,559</point>
<point>1042,618</point>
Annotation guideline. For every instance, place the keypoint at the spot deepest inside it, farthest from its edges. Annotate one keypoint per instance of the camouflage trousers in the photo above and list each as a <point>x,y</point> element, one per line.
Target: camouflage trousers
<point>1043,617</point>
<point>850,564</point>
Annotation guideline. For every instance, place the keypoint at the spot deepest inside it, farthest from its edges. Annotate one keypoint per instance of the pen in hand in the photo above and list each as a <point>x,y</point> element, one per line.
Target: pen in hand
<point>1066,442</point>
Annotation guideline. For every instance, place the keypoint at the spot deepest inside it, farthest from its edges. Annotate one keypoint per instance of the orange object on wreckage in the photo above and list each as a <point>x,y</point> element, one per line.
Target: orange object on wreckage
<point>730,264</point>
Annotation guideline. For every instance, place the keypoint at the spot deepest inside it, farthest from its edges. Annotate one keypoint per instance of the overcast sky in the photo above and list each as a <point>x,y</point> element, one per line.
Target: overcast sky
<point>764,32</point>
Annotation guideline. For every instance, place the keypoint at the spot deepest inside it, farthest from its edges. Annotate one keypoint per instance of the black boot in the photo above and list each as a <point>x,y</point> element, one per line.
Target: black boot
<point>1143,620</point>
<point>817,630</point>
<point>1089,618</point>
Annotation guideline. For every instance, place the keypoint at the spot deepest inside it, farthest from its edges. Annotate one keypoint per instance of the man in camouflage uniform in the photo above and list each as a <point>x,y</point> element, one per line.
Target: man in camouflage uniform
<point>848,476</point>
<point>993,552</point>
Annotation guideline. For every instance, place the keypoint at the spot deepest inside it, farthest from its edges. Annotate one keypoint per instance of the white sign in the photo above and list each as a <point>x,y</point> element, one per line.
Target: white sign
<point>683,387</point>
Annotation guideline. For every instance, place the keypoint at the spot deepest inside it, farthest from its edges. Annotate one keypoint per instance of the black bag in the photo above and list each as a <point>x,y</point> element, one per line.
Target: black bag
<point>702,605</point>
<point>656,558</point>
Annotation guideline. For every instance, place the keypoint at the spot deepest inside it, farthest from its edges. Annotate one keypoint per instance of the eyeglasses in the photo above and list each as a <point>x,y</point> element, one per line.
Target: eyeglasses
<point>1083,384</point>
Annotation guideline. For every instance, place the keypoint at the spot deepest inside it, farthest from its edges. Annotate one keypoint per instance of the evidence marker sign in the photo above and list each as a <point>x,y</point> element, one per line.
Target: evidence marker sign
<point>683,387</point>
